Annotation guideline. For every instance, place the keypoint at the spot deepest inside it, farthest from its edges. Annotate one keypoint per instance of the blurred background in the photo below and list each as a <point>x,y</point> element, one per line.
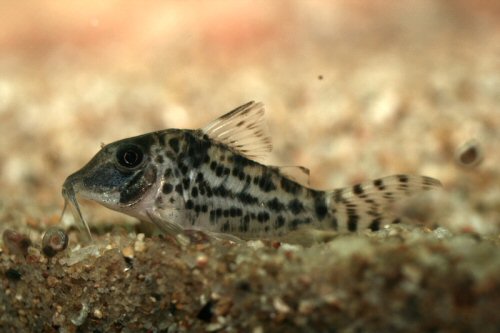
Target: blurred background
<point>354,90</point>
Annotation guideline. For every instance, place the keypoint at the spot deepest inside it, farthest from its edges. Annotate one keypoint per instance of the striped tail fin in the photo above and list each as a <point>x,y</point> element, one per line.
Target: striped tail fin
<point>370,204</point>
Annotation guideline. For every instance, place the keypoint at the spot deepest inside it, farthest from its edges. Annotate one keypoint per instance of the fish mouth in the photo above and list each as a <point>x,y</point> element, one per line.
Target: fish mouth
<point>69,195</point>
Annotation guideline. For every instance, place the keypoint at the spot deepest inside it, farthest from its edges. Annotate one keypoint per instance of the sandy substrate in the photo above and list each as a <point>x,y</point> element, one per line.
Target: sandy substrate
<point>353,92</point>
<point>399,279</point>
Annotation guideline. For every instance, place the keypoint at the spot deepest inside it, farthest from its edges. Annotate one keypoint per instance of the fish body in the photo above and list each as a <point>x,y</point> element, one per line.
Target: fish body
<point>210,179</point>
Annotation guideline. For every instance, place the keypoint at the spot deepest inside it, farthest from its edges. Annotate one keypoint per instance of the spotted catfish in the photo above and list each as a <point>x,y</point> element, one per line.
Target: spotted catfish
<point>210,179</point>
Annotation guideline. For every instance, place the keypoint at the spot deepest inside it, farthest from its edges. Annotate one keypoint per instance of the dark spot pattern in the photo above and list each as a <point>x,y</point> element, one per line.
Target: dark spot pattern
<point>266,183</point>
<point>338,195</point>
<point>168,173</point>
<point>295,206</point>
<point>221,191</point>
<point>235,212</point>
<point>280,222</point>
<point>219,170</point>
<point>352,222</point>
<point>358,190</point>
<point>403,178</point>
<point>199,177</point>
<point>244,224</point>
<point>174,144</point>
<point>246,198</point>
<point>320,206</point>
<point>183,168</point>
<point>389,196</point>
<point>275,205</point>
<point>167,188</point>
<point>225,227</point>
<point>290,186</point>
<point>375,225</point>
<point>351,209</point>
<point>379,184</point>
<point>197,149</point>
<point>241,161</point>
<point>263,217</point>
<point>295,223</point>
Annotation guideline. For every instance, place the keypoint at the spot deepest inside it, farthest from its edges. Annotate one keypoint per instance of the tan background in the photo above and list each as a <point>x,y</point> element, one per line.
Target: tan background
<point>354,90</point>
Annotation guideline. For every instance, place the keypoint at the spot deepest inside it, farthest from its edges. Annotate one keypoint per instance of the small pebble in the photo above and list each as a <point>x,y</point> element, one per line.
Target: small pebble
<point>214,327</point>
<point>54,240</point>
<point>201,260</point>
<point>139,245</point>
<point>97,314</point>
<point>52,281</point>
<point>32,222</point>
<point>281,306</point>
<point>128,252</point>
<point>16,243</point>
<point>13,274</point>
<point>306,307</point>
<point>470,154</point>
<point>80,317</point>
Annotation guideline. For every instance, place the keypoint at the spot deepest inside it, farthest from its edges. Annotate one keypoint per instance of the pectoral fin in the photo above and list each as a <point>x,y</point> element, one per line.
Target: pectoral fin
<point>163,220</point>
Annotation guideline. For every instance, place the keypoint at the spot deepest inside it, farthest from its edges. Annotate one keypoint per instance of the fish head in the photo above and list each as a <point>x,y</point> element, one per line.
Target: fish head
<point>118,176</point>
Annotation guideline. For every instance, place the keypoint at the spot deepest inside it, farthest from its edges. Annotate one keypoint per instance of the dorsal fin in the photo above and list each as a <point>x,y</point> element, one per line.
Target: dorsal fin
<point>242,129</point>
<point>297,173</point>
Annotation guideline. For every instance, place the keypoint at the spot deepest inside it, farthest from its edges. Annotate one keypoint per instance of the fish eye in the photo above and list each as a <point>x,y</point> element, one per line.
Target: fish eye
<point>129,156</point>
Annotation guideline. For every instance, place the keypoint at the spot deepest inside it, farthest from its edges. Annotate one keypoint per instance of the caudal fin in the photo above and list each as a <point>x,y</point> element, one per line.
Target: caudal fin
<point>370,204</point>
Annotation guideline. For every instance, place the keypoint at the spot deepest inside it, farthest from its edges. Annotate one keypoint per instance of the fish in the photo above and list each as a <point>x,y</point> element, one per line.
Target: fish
<point>213,180</point>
